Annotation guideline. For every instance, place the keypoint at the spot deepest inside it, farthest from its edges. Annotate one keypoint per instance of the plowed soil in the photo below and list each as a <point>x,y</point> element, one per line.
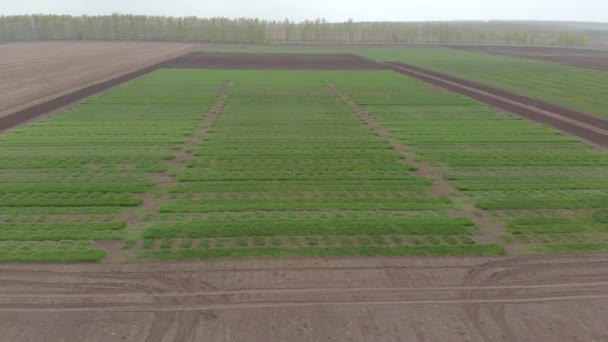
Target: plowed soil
<point>580,124</point>
<point>596,59</point>
<point>274,61</point>
<point>531,298</point>
<point>35,72</point>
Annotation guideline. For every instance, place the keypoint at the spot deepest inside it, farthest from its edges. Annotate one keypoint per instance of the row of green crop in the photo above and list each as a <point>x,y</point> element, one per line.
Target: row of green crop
<point>91,161</point>
<point>499,162</point>
<point>287,158</point>
<point>299,227</point>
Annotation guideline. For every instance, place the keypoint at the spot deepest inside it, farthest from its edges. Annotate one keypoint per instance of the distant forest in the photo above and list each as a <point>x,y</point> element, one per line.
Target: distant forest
<point>138,27</point>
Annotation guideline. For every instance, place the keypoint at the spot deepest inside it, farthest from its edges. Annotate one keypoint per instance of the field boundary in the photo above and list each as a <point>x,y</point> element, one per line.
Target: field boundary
<point>584,125</point>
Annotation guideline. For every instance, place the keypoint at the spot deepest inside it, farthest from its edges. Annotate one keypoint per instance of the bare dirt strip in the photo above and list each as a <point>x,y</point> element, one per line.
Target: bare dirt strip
<point>587,58</point>
<point>34,72</point>
<point>208,60</point>
<point>580,124</point>
<point>531,298</point>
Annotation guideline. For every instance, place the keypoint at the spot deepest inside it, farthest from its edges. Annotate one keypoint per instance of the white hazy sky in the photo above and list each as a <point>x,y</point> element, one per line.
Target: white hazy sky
<point>333,10</point>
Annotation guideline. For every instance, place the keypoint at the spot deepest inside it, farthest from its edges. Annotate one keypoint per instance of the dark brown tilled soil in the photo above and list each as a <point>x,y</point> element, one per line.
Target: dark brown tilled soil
<point>595,59</point>
<point>207,60</point>
<point>587,126</point>
<point>199,60</point>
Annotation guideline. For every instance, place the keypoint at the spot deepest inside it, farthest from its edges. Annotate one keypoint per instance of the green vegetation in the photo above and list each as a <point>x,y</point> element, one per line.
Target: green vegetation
<point>287,168</point>
<point>540,185</point>
<point>287,161</point>
<point>573,87</point>
<point>572,248</point>
<point>324,252</point>
<point>63,180</point>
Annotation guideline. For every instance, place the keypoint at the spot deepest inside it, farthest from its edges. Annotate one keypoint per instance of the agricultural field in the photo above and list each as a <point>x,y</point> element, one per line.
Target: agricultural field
<point>588,58</point>
<point>540,190</point>
<point>569,86</point>
<point>272,172</point>
<point>186,163</point>
<point>288,169</point>
<point>33,72</point>
<point>574,87</point>
<point>78,177</point>
<point>280,165</point>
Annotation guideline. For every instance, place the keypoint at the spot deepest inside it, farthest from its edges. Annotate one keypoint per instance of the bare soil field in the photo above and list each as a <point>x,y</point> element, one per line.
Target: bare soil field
<point>531,298</point>
<point>34,72</point>
<point>583,125</point>
<point>596,59</point>
<point>203,60</point>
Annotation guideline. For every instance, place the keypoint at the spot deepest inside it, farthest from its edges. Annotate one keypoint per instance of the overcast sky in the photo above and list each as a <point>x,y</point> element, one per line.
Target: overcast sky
<point>334,10</point>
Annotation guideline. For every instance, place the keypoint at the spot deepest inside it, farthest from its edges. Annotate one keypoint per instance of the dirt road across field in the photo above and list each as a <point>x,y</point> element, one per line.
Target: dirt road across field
<point>596,59</point>
<point>531,298</point>
<point>34,72</point>
<point>583,125</point>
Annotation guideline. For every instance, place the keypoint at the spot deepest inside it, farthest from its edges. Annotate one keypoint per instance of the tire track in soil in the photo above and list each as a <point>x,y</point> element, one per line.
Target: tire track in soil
<point>496,272</point>
<point>161,327</point>
<point>495,284</point>
<point>441,188</point>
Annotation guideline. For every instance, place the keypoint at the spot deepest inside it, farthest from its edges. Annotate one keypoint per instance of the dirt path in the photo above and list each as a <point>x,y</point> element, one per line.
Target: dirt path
<point>491,230</point>
<point>532,298</point>
<point>165,180</point>
<point>586,126</point>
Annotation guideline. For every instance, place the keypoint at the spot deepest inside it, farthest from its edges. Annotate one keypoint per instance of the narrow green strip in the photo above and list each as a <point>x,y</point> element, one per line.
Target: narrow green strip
<point>473,250</point>
<point>93,255</point>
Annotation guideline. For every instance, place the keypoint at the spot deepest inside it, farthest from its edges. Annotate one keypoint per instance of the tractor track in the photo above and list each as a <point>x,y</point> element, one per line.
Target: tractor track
<point>484,298</point>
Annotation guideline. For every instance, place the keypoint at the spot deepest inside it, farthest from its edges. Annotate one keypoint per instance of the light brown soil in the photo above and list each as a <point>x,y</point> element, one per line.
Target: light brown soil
<point>34,72</point>
<point>532,298</point>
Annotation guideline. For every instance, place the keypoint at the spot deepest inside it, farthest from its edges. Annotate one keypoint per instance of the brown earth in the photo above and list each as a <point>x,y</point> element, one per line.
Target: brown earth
<point>586,126</point>
<point>35,72</point>
<point>531,298</point>
<point>209,60</point>
<point>595,59</point>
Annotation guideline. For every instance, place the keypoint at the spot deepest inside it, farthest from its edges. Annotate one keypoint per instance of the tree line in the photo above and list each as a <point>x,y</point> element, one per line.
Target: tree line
<point>161,28</point>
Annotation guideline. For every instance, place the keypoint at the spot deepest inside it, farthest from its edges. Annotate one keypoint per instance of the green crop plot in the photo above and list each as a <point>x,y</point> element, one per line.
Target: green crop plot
<point>213,163</point>
<point>574,87</point>
<point>287,169</point>
<point>68,181</point>
<point>546,189</point>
